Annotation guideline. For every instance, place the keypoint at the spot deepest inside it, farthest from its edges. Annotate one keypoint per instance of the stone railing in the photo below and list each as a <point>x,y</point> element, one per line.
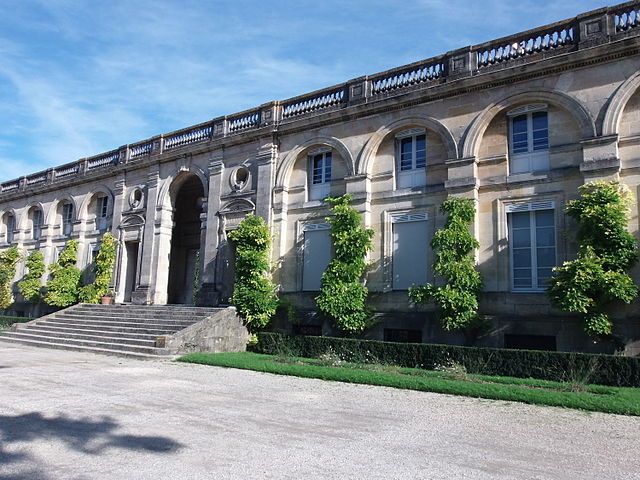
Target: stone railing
<point>590,29</point>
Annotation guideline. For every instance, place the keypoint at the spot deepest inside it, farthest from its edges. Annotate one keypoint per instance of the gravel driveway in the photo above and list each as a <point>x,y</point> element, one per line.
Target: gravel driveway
<point>67,415</point>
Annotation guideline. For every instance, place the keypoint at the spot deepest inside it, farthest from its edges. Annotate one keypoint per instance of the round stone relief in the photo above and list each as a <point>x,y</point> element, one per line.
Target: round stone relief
<point>136,198</point>
<point>240,178</point>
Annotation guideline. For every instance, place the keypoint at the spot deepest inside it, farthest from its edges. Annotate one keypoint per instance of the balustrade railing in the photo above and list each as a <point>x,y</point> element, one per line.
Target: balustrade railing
<point>538,41</point>
<point>244,121</point>
<point>104,160</point>
<point>140,150</point>
<point>626,18</point>
<point>605,25</point>
<point>188,136</point>
<point>314,102</point>
<point>408,76</point>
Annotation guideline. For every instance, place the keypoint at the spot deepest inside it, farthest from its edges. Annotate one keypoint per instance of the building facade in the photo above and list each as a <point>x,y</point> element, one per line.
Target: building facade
<point>516,124</point>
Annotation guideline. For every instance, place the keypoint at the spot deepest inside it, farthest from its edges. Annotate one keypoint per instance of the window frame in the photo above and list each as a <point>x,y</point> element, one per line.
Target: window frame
<point>532,156</point>
<point>67,218</point>
<point>10,224</point>
<point>102,212</point>
<point>415,175</point>
<point>36,227</point>
<point>322,189</point>
<point>531,208</point>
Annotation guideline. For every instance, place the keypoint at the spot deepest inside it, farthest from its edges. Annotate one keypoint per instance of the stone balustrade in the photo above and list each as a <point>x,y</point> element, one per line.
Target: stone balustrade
<point>597,27</point>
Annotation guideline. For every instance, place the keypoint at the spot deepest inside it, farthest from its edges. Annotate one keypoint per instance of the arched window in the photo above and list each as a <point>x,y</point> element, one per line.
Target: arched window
<point>36,224</point>
<point>528,139</point>
<point>10,223</point>
<point>319,173</point>
<point>67,218</point>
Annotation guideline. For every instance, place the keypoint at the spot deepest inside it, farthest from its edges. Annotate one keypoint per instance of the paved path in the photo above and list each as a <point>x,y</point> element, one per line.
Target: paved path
<point>67,415</point>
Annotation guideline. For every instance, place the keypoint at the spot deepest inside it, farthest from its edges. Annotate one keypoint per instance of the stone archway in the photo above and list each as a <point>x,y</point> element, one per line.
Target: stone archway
<point>185,240</point>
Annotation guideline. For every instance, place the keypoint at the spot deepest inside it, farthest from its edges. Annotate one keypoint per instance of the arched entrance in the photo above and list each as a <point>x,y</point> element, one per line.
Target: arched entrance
<point>185,241</point>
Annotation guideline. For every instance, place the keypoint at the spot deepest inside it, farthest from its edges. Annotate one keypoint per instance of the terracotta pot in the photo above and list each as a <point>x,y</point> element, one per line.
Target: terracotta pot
<point>106,300</point>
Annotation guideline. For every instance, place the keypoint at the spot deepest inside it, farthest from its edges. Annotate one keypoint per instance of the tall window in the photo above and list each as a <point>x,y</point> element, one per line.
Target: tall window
<point>528,139</point>
<point>36,224</point>
<point>320,175</point>
<point>532,241</point>
<point>411,158</point>
<point>409,256</point>
<point>101,213</point>
<point>67,218</point>
<point>11,226</point>
<point>316,256</point>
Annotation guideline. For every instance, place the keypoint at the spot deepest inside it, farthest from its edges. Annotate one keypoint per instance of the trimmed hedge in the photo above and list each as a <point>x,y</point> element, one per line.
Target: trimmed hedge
<point>610,370</point>
<point>6,321</point>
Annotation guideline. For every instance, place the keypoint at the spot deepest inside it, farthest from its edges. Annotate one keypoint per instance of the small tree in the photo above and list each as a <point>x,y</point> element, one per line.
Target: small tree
<point>103,270</point>
<point>62,289</point>
<point>458,298</point>
<point>597,277</point>
<point>342,294</point>
<point>8,260</point>
<point>254,293</point>
<point>31,285</point>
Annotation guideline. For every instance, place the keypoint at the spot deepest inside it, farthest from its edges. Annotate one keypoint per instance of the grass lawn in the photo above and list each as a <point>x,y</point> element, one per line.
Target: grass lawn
<point>625,401</point>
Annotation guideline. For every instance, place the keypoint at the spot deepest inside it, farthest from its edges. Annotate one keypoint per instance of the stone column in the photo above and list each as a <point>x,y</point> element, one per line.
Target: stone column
<point>208,294</point>
<point>116,220</point>
<point>265,161</point>
<point>142,294</point>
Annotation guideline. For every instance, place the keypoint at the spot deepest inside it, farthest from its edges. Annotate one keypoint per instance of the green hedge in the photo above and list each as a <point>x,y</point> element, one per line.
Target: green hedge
<point>558,366</point>
<point>6,321</point>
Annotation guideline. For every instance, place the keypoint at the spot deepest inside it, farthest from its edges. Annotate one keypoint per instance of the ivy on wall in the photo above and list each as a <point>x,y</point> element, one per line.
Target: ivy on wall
<point>31,285</point>
<point>343,295</point>
<point>597,277</point>
<point>254,292</point>
<point>103,271</point>
<point>8,260</point>
<point>457,299</point>
<point>63,287</point>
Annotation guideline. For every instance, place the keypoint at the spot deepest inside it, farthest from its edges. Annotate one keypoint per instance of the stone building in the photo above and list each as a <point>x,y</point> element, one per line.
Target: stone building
<point>517,124</point>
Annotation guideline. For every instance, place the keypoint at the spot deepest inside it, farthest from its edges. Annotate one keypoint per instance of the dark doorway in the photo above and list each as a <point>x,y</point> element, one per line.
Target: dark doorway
<point>131,259</point>
<point>185,241</point>
<point>227,272</point>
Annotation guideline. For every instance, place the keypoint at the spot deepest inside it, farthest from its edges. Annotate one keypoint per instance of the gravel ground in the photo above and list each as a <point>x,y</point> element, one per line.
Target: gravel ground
<point>67,415</point>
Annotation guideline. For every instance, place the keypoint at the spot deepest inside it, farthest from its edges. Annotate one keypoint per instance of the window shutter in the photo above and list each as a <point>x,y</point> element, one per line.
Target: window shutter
<point>530,206</point>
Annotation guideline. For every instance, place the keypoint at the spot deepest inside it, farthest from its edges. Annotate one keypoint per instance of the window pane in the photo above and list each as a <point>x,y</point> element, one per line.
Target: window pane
<point>545,237</point>
<point>406,145</point>
<point>327,167</point>
<point>421,143</point>
<point>519,124</point>
<point>544,274</point>
<point>546,257</point>
<point>522,258</point>
<point>520,220</point>
<point>539,120</point>
<point>421,159</point>
<point>544,218</point>
<point>521,238</point>
<point>522,282</point>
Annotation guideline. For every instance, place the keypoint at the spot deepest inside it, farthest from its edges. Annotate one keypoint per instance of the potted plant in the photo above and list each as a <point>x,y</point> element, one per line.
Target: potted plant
<point>107,299</point>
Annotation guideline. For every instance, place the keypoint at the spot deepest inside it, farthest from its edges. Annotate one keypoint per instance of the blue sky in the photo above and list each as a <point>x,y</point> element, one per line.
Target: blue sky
<point>78,78</point>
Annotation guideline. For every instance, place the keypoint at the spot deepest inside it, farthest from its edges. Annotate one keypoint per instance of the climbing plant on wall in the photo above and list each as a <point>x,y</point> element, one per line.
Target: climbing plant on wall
<point>103,271</point>
<point>8,260</point>
<point>62,288</point>
<point>31,285</point>
<point>457,299</point>
<point>254,292</point>
<point>343,295</point>
<point>597,277</point>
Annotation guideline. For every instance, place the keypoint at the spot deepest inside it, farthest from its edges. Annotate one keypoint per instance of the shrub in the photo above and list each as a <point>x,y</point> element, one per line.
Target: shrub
<point>342,295</point>
<point>597,277</point>
<point>62,289</point>
<point>103,270</point>
<point>31,285</point>
<point>558,366</point>
<point>254,293</point>
<point>8,260</point>
<point>458,298</point>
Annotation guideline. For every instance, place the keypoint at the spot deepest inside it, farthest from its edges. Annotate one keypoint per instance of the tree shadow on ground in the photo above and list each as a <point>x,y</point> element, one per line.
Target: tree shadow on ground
<point>85,435</point>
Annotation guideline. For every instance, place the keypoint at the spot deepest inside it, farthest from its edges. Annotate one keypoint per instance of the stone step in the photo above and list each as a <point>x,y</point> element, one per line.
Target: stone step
<point>175,325</point>
<point>145,308</point>
<point>127,315</point>
<point>96,336</point>
<point>103,351</point>
<point>80,331</point>
<point>81,343</point>
<point>123,329</point>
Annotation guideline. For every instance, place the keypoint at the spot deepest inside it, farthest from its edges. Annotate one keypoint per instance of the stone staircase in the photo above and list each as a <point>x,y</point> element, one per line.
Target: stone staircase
<point>128,330</point>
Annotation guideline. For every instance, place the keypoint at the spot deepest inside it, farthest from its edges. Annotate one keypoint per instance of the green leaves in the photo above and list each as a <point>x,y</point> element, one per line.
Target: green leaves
<point>8,260</point>
<point>342,296</point>
<point>458,298</point>
<point>31,285</point>
<point>62,289</point>
<point>254,293</point>
<point>103,269</point>
<point>597,277</point>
